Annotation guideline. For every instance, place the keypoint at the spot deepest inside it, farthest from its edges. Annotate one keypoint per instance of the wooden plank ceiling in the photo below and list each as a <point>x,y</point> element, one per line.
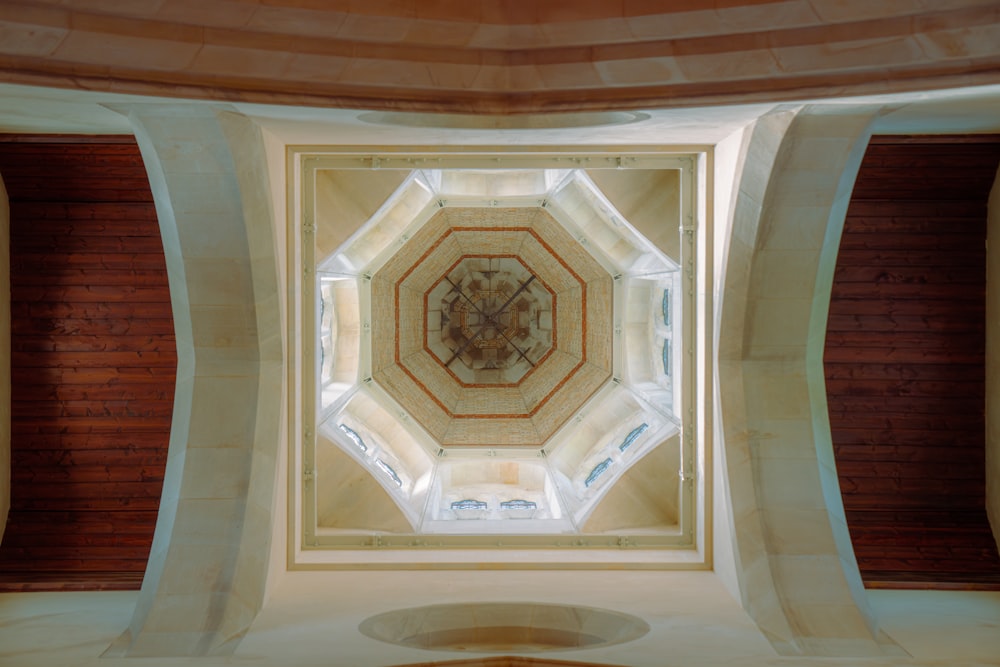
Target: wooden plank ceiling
<point>904,363</point>
<point>93,364</point>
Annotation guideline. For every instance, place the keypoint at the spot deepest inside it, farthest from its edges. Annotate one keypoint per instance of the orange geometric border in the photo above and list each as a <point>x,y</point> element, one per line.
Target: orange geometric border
<point>559,385</point>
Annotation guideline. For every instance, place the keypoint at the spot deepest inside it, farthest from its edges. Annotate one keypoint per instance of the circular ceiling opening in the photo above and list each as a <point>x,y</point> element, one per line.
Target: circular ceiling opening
<point>503,627</point>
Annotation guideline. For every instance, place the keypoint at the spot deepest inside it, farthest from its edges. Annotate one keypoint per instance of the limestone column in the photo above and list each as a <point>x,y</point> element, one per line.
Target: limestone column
<point>206,575</point>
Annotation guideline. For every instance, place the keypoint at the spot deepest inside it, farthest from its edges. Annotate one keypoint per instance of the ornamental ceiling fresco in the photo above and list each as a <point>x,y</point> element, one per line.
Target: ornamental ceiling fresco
<point>492,316</point>
<point>491,326</point>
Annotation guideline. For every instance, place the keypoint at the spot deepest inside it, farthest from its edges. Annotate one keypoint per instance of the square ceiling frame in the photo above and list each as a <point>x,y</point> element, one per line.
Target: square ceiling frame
<point>308,550</point>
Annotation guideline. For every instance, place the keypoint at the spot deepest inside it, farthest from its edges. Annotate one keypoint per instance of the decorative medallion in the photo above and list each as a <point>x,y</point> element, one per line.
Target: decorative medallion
<point>490,320</point>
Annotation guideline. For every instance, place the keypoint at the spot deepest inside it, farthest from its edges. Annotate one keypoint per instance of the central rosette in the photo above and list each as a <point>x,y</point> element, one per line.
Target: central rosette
<point>490,320</point>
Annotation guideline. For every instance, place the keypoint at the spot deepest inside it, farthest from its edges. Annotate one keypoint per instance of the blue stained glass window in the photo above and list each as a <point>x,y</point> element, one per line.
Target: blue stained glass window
<point>666,307</point>
<point>666,357</point>
<point>354,435</point>
<point>598,470</point>
<point>632,436</point>
<point>469,504</point>
<point>518,505</point>
<point>387,469</point>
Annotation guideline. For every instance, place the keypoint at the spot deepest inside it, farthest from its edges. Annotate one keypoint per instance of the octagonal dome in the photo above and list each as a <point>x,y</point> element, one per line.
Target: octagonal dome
<point>498,378</point>
<point>495,354</point>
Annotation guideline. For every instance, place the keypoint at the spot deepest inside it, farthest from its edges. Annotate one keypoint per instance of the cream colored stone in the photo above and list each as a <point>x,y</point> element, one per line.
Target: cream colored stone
<point>215,472</point>
<point>728,66</point>
<point>32,31</point>
<point>841,10</point>
<point>344,202</point>
<point>645,497</point>
<point>225,13</point>
<point>231,60</point>
<point>215,281</point>
<point>809,575</point>
<point>791,474</point>
<point>789,483</point>
<point>234,439</point>
<point>649,200</point>
<point>795,531</point>
<point>224,421</point>
<point>783,437</point>
<point>938,625</point>
<point>778,328</point>
<point>299,20</point>
<point>91,44</point>
<point>348,497</point>
<point>856,52</point>
<point>803,227</point>
<point>188,559</point>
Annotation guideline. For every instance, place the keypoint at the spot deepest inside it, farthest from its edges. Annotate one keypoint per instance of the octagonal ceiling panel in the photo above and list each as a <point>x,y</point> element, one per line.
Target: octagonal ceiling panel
<point>519,261</point>
<point>491,326</point>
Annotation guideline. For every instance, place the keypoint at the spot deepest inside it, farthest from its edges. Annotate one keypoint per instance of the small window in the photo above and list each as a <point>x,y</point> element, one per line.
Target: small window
<point>518,504</point>
<point>469,504</point>
<point>353,435</point>
<point>632,436</point>
<point>387,469</point>
<point>598,470</point>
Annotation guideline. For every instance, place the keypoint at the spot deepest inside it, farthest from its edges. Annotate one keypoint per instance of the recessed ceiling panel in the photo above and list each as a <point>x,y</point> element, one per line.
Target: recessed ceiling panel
<point>490,326</point>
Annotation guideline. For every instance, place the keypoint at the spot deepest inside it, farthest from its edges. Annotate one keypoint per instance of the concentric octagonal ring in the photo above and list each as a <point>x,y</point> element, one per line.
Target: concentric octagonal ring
<point>491,276</point>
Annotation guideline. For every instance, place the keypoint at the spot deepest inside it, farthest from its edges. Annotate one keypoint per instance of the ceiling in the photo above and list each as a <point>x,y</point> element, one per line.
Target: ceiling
<point>497,350</point>
<point>500,58</point>
<point>386,78</point>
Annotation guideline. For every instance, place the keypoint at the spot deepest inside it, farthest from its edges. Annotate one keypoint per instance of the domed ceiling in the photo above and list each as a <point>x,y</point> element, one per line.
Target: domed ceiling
<point>497,352</point>
<point>500,327</point>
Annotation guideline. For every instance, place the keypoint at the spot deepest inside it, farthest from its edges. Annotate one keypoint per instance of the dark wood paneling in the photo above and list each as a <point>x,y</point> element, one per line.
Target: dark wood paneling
<point>905,354</point>
<point>93,364</point>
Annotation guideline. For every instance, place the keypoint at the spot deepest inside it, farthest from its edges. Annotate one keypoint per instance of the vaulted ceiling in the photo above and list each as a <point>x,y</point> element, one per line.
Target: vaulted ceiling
<point>500,57</point>
<point>394,78</point>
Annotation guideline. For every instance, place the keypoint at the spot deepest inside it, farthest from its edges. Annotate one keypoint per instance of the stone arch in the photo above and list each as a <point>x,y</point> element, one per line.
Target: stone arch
<point>797,573</point>
<point>207,569</point>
